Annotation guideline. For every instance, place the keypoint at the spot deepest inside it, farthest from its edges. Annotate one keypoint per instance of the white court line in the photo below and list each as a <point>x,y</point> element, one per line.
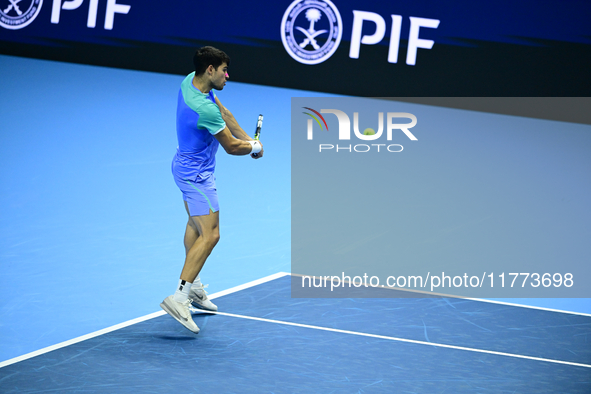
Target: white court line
<point>444,295</point>
<point>404,340</point>
<point>267,279</point>
<point>528,306</point>
<point>249,284</point>
<point>133,321</point>
<point>80,339</point>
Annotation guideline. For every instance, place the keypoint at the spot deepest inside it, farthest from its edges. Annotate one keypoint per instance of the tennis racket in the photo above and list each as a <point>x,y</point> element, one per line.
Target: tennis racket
<point>257,133</point>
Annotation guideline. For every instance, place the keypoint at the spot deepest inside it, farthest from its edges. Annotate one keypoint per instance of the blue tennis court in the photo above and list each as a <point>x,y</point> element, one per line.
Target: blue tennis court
<point>91,242</point>
<point>266,342</point>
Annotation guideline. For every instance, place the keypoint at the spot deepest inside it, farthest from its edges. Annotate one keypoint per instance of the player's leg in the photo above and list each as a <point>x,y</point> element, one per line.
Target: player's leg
<point>208,229</point>
<point>178,305</point>
<point>201,235</point>
<point>197,293</point>
<point>191,234</point>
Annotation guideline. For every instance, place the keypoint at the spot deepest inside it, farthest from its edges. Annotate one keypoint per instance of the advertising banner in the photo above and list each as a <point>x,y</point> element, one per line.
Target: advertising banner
<point>362,48</point>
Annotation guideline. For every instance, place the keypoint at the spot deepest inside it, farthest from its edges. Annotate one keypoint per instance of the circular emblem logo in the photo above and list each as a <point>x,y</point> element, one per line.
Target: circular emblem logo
<point>16,14</point>
<point>311,30</point>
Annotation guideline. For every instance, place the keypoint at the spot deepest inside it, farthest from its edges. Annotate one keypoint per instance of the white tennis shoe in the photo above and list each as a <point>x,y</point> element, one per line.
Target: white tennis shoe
<point>199,299</point>
<point>181,312</point>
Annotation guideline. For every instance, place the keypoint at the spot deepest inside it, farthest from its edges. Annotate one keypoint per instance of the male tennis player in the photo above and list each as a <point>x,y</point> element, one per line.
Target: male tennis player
<point>202,124</point>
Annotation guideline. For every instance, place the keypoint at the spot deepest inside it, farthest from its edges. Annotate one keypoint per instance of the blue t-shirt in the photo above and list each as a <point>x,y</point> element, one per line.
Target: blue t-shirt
<point>198,119</point>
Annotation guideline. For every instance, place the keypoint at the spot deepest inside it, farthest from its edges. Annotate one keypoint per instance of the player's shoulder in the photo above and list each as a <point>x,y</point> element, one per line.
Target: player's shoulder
<point>203,103</point>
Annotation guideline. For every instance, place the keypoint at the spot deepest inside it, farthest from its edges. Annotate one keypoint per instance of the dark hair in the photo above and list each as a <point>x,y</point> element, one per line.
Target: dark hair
<point>206,56</point>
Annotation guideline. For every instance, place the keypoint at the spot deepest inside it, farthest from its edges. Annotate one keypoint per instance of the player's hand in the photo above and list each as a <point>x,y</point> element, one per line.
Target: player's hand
<point>259,154</point>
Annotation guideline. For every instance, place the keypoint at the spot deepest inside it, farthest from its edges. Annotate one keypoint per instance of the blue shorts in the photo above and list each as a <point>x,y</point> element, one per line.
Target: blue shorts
<point>200,194</point>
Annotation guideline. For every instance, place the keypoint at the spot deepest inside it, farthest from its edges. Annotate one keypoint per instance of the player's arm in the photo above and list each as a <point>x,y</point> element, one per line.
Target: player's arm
<point>232,124</point>
<point>238,147</point>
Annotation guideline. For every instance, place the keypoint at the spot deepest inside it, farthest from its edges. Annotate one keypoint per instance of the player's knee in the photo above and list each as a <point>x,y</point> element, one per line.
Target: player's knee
<point>213,238</point>
<point>216,238</point>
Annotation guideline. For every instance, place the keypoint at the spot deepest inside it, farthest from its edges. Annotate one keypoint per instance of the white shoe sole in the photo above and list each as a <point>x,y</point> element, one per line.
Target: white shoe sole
<point>172,312</point>
<point>203,307</point>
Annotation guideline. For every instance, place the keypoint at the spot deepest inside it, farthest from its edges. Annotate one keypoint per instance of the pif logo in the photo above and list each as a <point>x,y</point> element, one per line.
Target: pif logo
<point>344,131</point>
<point>311,30</point>
<point>16,14</point>
<point>112,8</point>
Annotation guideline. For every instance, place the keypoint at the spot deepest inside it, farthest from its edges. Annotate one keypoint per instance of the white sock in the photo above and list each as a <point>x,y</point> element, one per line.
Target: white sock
<point>182,291</point>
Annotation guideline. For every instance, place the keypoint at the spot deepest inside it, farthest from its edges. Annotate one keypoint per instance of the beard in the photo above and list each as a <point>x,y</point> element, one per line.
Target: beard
<point>219,86</point>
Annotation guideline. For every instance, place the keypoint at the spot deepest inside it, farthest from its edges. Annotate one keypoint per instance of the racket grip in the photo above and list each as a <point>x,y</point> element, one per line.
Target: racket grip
<point>257,132</point>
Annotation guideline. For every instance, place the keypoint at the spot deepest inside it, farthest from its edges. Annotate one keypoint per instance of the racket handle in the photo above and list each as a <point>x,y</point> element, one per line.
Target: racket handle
<point>257,133</point>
